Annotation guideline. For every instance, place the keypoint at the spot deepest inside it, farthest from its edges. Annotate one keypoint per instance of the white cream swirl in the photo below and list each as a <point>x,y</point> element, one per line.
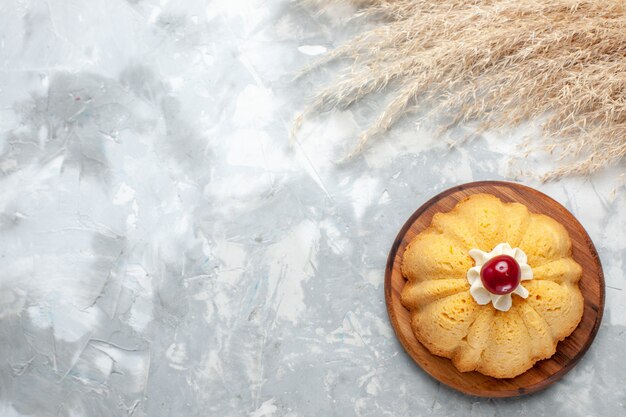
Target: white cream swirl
<point>481,295</point>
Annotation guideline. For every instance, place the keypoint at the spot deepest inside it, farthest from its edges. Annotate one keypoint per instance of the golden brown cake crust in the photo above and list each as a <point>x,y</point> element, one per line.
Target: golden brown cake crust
<point>446,319</point>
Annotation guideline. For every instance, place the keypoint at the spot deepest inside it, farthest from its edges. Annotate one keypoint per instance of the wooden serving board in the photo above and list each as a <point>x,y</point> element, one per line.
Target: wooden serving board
<point>568,352</point>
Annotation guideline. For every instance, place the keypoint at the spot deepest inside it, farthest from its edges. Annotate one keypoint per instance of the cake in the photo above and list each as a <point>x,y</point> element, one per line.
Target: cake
<point>492,286</point>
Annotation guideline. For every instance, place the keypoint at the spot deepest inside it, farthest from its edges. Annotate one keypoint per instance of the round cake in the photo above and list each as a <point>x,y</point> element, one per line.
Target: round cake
<point>492,286</point>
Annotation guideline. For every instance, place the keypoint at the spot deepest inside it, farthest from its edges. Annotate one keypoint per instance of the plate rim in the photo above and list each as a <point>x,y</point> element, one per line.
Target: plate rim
<point>394,321</point>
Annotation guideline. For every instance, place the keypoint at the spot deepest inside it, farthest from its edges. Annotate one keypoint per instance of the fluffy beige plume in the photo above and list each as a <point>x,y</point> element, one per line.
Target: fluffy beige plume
<point>500,63</point>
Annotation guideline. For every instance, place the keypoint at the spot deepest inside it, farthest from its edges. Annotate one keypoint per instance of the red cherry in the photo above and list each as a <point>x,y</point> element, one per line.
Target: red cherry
<point>500,274</point>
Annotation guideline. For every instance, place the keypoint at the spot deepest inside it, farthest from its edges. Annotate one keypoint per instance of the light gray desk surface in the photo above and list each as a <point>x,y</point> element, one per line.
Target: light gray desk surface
<point>164,252</point>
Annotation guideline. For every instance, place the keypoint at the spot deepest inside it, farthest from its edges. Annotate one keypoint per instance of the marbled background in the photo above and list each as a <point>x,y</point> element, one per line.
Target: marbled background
<point>165,252</point>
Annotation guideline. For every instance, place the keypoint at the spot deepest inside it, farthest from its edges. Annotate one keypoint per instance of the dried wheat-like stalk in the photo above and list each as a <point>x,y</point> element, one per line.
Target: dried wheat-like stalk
<point>498,62</point>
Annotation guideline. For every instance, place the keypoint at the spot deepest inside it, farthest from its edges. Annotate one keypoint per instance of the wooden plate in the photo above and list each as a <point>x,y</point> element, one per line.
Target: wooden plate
<point>568,352</point>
